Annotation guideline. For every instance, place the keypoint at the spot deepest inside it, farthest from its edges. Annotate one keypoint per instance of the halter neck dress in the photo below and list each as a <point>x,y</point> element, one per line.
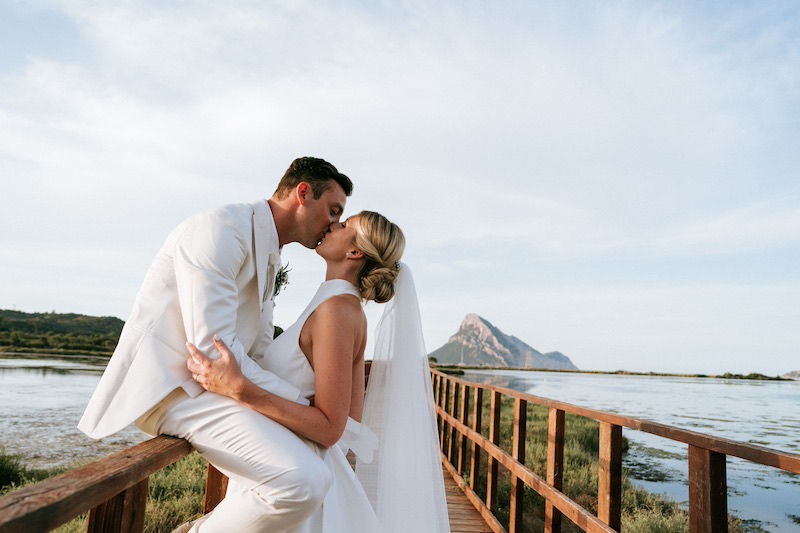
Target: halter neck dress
<point>346,508</point>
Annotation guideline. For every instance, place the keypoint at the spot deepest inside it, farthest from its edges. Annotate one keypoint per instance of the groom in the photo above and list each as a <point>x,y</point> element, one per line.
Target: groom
<point>214,275</point>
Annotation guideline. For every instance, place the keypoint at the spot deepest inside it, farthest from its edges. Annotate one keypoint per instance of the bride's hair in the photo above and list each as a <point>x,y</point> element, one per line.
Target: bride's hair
<point>382,243</point>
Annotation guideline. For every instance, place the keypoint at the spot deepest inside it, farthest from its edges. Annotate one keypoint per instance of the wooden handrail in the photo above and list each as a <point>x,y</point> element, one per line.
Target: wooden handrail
<point>111,489</point>
<point>707,454</point>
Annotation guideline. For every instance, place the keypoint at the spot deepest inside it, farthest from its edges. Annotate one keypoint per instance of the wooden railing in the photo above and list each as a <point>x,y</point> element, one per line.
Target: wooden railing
<point>461,423</point>
<point>113,491</point>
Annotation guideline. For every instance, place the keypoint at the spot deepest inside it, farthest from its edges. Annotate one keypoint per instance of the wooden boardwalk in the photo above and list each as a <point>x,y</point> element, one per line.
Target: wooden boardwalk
<point>464,518</point>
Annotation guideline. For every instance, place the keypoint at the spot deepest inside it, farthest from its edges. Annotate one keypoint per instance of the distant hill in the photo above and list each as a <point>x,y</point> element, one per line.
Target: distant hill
<point>794,374</point>
<point>478,343</point>
<point>62,333</point>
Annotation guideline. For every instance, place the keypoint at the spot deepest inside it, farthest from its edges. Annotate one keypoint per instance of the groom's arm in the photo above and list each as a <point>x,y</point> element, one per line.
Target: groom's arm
<point>209,256</point>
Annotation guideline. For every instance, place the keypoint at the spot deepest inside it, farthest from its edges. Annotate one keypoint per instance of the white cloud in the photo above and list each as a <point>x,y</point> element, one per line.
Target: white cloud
<point>753,228</point>
<point>518,145</point>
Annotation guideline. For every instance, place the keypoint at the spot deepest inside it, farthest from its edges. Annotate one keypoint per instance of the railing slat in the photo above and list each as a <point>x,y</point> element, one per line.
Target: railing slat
<point>708,492</point>
<point>555,467</point>
<point>443,433</point>
<point>477,427</point>
<point>494,437</point>
<point>452,443</point>
<point>609,490</point>
<point>518,452</point>
<point>463,414</point>
<point>216,486</point>
<point>124,513</point>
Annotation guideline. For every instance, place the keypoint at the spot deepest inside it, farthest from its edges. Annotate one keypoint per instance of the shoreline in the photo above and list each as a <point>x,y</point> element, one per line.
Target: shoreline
<point>454,369</point>
<point>753,376</point>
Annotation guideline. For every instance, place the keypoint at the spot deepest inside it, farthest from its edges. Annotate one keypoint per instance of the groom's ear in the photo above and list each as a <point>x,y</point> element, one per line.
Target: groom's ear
<point>303,192</point>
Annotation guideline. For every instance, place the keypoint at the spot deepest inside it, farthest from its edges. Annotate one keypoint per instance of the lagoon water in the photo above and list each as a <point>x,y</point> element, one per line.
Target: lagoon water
<point>42,399</point>
<point>765,413</point>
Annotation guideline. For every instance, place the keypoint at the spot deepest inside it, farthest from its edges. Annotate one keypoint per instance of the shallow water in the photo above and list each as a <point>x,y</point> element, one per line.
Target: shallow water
<point>757,412</point>
<point>41,401</point>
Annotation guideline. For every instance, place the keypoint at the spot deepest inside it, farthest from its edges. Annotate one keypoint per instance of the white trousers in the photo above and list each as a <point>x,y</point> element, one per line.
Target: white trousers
<point>277,479</point>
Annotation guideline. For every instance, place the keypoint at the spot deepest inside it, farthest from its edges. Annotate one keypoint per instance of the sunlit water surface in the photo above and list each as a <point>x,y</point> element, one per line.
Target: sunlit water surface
<point>41,401</point>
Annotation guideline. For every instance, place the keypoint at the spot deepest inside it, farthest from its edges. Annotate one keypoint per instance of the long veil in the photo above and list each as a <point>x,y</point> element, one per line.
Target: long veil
<point>404,480</point>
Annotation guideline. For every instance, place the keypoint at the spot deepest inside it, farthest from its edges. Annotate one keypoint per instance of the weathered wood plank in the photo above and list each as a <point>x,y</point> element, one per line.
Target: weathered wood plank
<point>609,489</point>
<point>124,513</point>
<point>708,492</point>
<point>555,466</point>
<point>463,409</point>
<point>518,453</point>
<point>492,466</point>
<point>55,501</point>
<point>477,515</point>
<point>477,411</point>
<point>216,486</point>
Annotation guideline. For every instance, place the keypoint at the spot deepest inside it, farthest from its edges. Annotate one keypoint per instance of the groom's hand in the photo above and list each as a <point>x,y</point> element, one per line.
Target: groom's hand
<point>222,375</point>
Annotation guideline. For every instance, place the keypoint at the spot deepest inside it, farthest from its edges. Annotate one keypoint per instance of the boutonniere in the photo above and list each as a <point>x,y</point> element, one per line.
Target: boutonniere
<point>281,278</point>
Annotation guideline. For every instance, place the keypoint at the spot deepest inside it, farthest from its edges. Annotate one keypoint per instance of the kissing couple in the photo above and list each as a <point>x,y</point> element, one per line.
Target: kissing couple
<point>196,359</point>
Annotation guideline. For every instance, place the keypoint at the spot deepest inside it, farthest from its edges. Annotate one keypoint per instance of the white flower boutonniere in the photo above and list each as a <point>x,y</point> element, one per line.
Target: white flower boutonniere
<point>281,278</point>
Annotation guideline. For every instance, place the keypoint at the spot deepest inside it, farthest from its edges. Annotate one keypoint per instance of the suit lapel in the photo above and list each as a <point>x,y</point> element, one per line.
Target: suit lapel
<point>262,235</point>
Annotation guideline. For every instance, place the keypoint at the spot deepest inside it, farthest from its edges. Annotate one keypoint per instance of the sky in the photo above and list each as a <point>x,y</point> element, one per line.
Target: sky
<point>614,180</point>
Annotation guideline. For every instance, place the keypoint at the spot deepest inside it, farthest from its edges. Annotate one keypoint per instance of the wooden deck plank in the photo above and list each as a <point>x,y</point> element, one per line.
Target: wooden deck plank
<point>464,518</point>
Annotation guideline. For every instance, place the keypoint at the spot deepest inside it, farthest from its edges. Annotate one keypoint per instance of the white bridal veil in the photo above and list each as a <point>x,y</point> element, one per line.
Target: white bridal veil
<point>404,480</point>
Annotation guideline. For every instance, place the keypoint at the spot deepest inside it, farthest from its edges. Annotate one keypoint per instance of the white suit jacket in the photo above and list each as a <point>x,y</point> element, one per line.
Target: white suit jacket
<point>211,277</point>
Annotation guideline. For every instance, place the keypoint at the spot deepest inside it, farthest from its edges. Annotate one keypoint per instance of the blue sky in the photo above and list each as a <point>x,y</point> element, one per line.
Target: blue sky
<point>614,180</point>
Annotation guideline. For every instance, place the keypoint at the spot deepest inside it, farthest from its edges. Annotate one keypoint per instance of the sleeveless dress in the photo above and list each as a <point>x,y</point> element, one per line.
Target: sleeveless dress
<point>346,508</point>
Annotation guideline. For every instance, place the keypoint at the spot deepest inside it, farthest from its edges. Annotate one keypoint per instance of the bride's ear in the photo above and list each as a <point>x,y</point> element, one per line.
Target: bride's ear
<point>355,253</point>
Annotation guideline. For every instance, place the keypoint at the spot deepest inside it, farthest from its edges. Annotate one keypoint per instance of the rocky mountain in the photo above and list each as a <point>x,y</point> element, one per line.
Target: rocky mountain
<point>794,374</point>
<point>479,343</point>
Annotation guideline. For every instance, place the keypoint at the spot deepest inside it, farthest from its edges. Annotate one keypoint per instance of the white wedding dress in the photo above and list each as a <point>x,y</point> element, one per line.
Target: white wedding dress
<point>346,508</point>
<point>397,486</point>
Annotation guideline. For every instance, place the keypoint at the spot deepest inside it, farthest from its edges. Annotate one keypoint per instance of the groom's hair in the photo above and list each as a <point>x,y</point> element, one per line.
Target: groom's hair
<point>316,172</point>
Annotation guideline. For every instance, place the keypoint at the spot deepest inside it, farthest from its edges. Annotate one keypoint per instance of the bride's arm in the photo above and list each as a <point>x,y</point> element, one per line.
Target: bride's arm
<point>334,330</point>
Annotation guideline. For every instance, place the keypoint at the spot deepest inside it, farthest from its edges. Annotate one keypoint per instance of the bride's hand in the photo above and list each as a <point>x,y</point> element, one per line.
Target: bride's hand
<point>222,375</point>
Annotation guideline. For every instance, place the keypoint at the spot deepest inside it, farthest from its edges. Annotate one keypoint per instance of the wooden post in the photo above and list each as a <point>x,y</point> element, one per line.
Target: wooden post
<point>477,423</point>
<point>216,487</point>
<point>438,395</point>
<point>555,467</point>
<point>494,436</point>
<point>124,513</point>
<point>708,491</point>
<point>445,402</point>
<point>451,409</point>
<point>609,490</point>
<point>518,453</point>
<point>463,413</point>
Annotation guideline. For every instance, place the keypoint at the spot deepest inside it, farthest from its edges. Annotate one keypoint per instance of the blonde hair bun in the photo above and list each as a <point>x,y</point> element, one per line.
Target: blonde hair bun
<point>383,244</point>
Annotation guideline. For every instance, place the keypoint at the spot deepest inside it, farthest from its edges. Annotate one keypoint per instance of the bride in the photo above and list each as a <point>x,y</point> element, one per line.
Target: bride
<point>397,484</point>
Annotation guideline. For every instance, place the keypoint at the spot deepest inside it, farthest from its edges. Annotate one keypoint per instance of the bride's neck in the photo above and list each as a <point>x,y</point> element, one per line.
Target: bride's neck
<point>345,272</point>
